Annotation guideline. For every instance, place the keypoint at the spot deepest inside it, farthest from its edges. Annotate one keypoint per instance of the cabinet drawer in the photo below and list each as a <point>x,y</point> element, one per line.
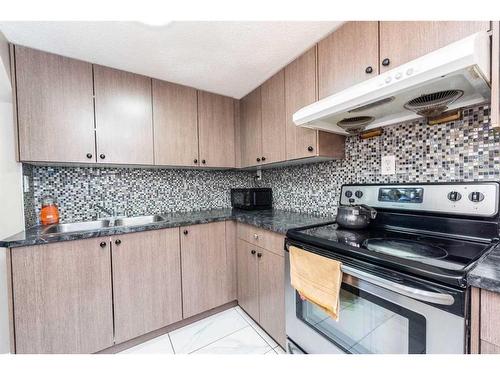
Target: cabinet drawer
<point>263,238</point>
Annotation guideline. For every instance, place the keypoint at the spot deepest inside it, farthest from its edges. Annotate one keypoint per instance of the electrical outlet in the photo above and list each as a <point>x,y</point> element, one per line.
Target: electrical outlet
<point>388,164</point>
<point>26,184</point>
<point>258,175</point>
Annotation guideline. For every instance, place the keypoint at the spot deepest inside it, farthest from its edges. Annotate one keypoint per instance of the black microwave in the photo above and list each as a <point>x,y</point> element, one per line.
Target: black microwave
<point>252,199</point>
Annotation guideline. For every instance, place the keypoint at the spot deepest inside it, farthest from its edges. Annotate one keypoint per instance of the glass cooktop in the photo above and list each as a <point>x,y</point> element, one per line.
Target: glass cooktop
<point>394,246</point>
<point>410,249</point>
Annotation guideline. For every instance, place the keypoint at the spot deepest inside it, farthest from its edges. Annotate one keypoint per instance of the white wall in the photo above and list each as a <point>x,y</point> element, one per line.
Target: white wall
<point>11,202</point>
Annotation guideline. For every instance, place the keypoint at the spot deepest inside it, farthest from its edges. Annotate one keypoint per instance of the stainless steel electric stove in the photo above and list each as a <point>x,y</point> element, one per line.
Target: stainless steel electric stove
<point>404,288</point>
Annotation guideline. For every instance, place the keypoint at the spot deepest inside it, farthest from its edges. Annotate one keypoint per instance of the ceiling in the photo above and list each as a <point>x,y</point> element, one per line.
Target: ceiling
<point>226,57</point>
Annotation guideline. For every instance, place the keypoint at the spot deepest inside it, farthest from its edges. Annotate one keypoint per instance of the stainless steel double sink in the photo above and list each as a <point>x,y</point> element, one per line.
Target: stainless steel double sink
<point>102,224</point>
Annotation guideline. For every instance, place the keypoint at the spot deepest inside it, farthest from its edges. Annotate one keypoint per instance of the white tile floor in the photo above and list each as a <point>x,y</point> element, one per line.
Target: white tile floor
<point>229,332</point>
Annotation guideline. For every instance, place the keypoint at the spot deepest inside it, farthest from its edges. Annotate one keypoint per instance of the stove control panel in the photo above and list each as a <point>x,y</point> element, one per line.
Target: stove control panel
<point>473,199</point>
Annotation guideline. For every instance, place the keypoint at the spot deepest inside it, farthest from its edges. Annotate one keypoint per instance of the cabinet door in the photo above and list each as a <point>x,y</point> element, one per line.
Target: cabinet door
<point>55,110</point>
<point>251,128</point>
<point>237,134</point>
<point>62,297</point>
<point>272,294</point>
<point>490,311</point>
<point>146,282</point>
<point>175,118</point>
<point>216,128</point>
<point>300,90</point>
<point>495,76</point>
<point>231,255</point>
<point>204,268</point>
<point>347,56</point>
<point>403,41</point>
<point>273,119</point>
<point>123,112</point>
<point>248,283</point>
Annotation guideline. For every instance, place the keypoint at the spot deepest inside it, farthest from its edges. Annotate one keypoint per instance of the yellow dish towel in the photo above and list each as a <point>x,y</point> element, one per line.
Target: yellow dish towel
<point>317,279</point>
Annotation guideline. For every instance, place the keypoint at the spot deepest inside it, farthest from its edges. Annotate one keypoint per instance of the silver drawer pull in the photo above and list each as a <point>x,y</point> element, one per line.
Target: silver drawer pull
<point>418,294</point>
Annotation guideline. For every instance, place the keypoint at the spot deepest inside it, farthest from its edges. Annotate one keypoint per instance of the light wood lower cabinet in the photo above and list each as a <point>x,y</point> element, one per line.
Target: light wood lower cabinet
<point>205,271</point>
<point>62,297</point>
<point>262,238</point>
<point>231,259</point>
<point>485,323</point>
<point>272,294</point>
<point>261,286</point>
<point>248,282</point>
<point>85,296</point>
<point>146,282</point>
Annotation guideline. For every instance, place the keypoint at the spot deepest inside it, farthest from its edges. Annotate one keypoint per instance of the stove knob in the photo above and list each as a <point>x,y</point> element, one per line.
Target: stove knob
<point>454,196</point>
<point>358,194</point>
<point>476,196</point>
<point>348,194</point>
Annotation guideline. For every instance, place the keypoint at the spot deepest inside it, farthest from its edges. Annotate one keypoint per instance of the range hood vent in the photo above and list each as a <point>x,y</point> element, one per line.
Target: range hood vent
<point>434,104</point>
<point>449,78</point>
<point>355,124</point>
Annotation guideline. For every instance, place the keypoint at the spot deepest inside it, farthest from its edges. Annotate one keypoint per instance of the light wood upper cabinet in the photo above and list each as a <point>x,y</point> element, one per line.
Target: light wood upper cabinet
<point>403,41</point>
<point>347,56</point>
<point>175,119</point>
<point>495,75</point>
<point>272,294</point>
<point>62,297</point>
<point>216,130</point>
<point>146,282</point>
<point>204,268</point>
<point>251,128</point>
<point>248,283</point>
<point>123,112</point>
<point>273,119</point>
<point>55,110</point>
<point>300,90</point>
<point>237,134</point>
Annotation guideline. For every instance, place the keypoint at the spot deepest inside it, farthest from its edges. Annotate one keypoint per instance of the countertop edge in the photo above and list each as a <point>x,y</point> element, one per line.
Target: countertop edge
<point>255,218</point>
<point>486,274</point>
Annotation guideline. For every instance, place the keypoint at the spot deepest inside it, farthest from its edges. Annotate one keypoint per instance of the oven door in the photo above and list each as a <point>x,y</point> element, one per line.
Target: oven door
<point>374,319</point>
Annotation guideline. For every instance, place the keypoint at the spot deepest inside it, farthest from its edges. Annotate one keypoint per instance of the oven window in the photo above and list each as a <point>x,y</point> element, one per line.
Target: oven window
<point>367,324</point>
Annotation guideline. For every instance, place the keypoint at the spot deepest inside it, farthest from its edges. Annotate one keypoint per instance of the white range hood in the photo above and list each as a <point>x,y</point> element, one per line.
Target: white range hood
<point>457,75</point>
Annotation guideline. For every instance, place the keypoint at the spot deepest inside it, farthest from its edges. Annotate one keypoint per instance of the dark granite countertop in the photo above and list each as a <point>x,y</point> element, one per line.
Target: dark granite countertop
<point>274,220</point>
<point>486,275</point>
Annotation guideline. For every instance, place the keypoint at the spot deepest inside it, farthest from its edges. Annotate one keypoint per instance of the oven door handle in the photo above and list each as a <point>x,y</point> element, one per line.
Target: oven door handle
<point>418,294</point>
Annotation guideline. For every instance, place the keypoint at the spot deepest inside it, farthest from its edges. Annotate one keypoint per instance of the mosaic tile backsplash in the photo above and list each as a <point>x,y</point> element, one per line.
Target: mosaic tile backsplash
<point>465,150</point>
<point>80,191</point>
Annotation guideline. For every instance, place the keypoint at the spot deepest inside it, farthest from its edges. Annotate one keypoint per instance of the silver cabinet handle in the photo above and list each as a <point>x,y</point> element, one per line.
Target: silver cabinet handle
<point>256,236</point>
<point>418,294</point>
